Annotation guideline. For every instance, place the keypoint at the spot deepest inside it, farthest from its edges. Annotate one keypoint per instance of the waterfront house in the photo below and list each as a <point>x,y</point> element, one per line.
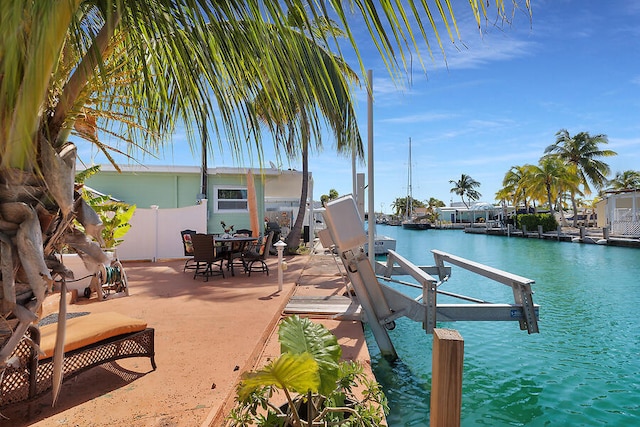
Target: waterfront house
<point>171,198</point>
<point>620,212</point>
<point>484,212</point>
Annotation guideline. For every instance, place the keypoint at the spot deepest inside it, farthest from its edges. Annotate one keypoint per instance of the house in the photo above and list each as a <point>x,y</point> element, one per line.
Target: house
<point>458,212</point>
<point>619,211</point>
<point>170,199</point>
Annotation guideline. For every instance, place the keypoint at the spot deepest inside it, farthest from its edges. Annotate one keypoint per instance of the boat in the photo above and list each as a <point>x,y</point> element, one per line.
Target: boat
<point>381,245</point>
<point>411,221</point>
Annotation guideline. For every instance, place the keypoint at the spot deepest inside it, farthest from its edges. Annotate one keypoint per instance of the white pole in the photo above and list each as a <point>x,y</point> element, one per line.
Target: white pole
<point>371,208</point>
<point>280,245</point>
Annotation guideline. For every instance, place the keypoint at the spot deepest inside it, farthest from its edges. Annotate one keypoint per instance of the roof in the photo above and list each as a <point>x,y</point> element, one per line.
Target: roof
<point>196,170</point>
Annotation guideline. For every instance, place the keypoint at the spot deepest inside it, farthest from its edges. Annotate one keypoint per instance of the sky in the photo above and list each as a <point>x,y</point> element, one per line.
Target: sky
<point>498,101</point>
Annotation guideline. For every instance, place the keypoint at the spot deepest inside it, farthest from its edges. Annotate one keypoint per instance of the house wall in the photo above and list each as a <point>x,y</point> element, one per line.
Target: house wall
<point>166,190</point>
<point>166,203</point>
<point>177,188</point>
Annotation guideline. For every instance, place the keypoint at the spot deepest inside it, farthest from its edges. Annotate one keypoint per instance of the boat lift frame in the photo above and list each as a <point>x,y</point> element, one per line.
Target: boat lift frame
<point>382,304</point>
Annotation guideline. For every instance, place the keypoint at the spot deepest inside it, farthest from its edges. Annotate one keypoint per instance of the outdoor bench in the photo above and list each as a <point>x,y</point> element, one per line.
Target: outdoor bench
<point>90,340</point>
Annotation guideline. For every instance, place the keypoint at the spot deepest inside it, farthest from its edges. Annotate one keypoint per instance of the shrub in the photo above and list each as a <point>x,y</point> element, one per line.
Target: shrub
<point>532,221</point>
<point>319,388</point>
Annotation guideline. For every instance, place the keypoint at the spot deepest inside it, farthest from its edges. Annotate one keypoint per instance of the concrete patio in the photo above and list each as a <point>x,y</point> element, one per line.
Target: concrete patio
<point>206,335</point>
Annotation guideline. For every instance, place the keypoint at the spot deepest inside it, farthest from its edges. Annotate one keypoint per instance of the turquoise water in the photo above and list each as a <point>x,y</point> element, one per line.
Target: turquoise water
<point>582,369</point>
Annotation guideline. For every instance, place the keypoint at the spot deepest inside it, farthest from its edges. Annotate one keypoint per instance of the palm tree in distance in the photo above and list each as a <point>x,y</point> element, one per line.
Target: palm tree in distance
<point>627,180</point>
<point>583,151</point>
<point>552,177</point>
<point>515,183</point>
<point>339,115</point>
<point>466,186</point>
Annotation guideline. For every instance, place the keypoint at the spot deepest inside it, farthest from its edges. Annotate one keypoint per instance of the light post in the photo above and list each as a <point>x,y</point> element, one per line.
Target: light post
<point>280,245</point>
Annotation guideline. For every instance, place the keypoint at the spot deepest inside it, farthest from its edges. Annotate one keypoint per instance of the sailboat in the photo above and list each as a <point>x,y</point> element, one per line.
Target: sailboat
<point>411,221</point>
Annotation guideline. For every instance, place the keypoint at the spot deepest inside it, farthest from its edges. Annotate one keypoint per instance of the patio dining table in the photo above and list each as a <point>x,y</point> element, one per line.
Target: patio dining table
<point>233,246</point>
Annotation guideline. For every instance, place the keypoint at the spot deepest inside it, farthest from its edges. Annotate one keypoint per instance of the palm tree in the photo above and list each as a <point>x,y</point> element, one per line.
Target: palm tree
<point>399,205</point>
<point>340,116</point>
<point>466,186</point>
<point>583,151</point>
<point>627,180</point>
<point>515,183</point>
<point>132,69</point>
<point>552,177</point>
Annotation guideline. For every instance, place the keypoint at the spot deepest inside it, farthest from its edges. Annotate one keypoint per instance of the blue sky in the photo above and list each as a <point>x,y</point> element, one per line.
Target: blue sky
<point>497,102</point>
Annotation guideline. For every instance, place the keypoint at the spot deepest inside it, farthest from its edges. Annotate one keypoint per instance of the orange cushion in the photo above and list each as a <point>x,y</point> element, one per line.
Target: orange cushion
<point>90,329</point>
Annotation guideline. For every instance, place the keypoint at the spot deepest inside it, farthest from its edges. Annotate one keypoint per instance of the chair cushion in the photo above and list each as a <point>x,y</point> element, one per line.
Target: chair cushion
<point>90,329</point>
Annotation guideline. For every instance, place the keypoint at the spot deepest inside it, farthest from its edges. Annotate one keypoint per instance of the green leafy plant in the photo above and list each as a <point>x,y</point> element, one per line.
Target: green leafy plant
<point>531,221</point>
<point>115,215</point>
<point>319,388</point>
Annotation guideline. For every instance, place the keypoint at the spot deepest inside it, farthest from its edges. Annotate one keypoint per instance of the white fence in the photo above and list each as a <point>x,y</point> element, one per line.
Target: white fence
<point>626,222</point>
<point>155,233</point>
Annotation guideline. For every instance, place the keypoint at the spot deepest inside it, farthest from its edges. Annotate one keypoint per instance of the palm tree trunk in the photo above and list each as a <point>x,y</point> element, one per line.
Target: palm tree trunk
<point>550,200</point>
<point>574,205</point>
<point>293,238</point>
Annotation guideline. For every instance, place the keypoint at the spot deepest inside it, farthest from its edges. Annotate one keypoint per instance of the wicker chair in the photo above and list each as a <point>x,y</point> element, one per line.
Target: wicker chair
<point>112,337</point>
<point>254,261</point>
<point>206,256</point>
<point>187,246</point>
<point>235,258</point>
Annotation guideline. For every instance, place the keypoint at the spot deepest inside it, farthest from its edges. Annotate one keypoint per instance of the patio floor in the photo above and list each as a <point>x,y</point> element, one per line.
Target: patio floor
<point>206,335</point>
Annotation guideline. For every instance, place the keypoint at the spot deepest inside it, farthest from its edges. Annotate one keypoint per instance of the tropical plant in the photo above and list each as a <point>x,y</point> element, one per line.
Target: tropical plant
<point>435,203</point>
<point>325,198</point>
<point>515,184</point>
<point>133,69</point>
<point>582,150</point>
<point>399,205</point>
<point>466,186</point>
<point>114,215</point>
<point>532,221</point>
<point>627,180</point>
<point>552,177</point>
<point>339,115</point>
<point>318,387</point>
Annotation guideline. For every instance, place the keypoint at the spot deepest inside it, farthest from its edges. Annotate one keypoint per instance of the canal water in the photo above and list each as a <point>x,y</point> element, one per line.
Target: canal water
<point>582,369</point>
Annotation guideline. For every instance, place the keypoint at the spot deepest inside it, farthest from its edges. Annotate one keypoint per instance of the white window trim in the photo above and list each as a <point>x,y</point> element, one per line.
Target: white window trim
<point>228,187</point>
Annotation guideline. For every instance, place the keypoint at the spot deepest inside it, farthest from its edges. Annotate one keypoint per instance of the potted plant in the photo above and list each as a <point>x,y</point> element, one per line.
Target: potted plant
<point>319,388</point>
<point>115,215</point>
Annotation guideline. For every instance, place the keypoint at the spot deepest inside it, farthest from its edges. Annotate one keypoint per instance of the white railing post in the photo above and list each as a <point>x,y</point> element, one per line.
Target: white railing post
<point>280,245</point>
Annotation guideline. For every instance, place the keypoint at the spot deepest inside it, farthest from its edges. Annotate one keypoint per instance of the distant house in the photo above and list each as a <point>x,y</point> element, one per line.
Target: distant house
<point>175,194</point>
<point>620,212</point>
<point>480,211</point>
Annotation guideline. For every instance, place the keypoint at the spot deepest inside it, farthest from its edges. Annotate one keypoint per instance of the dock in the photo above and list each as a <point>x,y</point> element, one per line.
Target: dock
<point>589,237</point>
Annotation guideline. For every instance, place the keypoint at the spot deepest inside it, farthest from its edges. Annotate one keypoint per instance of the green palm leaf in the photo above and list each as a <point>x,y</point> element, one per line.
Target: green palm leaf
<point>297,372</point>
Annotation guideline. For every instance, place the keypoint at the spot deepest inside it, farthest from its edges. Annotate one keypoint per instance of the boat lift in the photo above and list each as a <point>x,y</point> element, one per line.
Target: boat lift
<point>382,305</point>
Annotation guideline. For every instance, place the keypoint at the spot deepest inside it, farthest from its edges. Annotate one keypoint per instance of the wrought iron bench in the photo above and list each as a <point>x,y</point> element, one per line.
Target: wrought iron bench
<point>32,376</point>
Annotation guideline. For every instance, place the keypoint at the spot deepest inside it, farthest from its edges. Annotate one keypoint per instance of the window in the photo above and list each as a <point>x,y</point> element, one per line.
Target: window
<point>230,199</point>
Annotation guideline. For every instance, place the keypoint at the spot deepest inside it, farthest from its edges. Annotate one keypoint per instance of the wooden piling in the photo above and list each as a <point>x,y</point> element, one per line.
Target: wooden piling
<point>446,378</point>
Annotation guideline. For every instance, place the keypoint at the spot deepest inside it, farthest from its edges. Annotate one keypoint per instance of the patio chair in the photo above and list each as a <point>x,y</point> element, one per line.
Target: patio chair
<point>187,246</point>
<point>235,258</point>
<point>206,256</point>
<point>255,260</point>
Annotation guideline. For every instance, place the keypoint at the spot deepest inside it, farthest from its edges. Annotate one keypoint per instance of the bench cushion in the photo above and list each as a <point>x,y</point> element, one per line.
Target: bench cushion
<point>86,330</point>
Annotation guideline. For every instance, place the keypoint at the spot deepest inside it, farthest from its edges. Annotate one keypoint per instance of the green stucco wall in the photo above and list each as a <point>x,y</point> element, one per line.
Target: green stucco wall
<point>175,190</point>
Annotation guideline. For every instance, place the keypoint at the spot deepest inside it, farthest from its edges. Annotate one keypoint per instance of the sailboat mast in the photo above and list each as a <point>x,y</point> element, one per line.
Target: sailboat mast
<point>409,203</point>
